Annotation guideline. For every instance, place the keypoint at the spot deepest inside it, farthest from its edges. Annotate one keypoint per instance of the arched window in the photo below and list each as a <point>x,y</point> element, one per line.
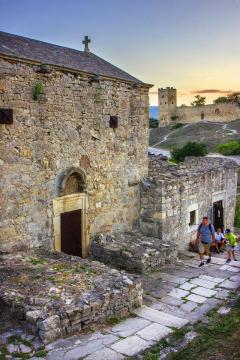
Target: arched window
<point>217,111</point>
<point>71,181</point>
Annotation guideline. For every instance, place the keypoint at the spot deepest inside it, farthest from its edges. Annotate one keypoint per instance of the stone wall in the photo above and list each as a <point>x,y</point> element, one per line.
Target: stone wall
<point>217,113</point>
<point>170,193</point>
<point>68,126</point>
<point>170,113</point>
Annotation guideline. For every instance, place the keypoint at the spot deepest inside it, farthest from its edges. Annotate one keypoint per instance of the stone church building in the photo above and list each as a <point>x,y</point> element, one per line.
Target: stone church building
<point>73,160</point>
<point>169,112</point>
<point>74,137</point>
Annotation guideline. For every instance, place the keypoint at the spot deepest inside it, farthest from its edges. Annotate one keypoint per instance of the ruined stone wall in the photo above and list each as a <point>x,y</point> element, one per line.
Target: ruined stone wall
<point>68,126</point>
<point>217,113</point>
<point>170,195</point>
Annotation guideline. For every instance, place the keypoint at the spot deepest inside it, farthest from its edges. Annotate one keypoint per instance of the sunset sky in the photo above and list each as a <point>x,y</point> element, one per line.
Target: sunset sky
<point>188,44</point>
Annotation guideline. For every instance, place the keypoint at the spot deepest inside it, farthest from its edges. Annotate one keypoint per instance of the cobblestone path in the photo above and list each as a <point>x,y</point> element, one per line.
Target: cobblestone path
<point>180,294</point>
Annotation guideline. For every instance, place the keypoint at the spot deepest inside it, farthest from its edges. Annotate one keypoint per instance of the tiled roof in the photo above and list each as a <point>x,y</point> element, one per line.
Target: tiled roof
<point>41,52</point>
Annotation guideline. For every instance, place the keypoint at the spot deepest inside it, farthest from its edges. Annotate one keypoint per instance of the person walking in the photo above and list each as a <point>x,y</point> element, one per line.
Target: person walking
<point>205,238</point>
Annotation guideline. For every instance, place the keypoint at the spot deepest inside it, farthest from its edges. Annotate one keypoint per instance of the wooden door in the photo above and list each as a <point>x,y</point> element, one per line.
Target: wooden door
<point>71,232</point>
<point>218,219</point>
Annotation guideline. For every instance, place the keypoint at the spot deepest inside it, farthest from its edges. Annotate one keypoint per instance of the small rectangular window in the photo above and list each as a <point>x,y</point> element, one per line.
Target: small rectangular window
<point>192,218</point>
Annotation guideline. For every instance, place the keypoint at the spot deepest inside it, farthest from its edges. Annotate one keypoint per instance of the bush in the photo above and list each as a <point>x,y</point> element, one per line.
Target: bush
<point>153,123</point>
<point>230,148</point>
<point>190,149</point>
<point>176,126</point>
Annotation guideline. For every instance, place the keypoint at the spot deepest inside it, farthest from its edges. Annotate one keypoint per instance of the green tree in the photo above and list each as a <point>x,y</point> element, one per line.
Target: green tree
<point>200,100</point>
<point>220,100</point>
<point>191,148</point>
<point>234,97</point>
<point>230,148</point>
<point>153,123</point>
<point>231,98</point>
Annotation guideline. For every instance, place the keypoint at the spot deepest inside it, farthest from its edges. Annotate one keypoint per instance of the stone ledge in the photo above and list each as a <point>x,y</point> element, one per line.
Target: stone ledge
<point>132,251</point>
<point>57,295</point>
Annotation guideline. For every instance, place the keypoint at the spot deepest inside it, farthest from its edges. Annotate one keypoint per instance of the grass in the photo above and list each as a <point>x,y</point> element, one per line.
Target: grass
<point>218,338</point>
<point>210,133</point>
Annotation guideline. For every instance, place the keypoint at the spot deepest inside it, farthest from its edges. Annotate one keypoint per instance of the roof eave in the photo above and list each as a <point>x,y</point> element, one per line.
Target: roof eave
<point>73,70</point>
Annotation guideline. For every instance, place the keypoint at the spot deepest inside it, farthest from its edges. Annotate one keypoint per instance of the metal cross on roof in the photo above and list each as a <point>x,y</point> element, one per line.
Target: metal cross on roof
<point>86,41</point>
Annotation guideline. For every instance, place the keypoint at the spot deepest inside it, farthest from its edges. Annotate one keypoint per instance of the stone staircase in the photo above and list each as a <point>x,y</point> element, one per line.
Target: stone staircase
<point>133,252</point>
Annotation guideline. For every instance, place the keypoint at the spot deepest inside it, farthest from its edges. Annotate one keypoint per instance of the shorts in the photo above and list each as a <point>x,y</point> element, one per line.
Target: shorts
<point>202,248</point>
<point>231,248</point>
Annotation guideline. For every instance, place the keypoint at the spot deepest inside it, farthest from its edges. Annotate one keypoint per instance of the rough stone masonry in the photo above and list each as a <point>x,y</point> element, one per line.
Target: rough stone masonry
<point>64,142</point>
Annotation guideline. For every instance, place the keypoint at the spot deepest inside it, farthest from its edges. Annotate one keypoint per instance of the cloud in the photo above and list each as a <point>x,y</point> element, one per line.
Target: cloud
<point>211,91</point>
<point>153,92</point>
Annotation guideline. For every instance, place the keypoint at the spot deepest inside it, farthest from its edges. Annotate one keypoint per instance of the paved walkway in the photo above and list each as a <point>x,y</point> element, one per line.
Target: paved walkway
<point>180,295</point>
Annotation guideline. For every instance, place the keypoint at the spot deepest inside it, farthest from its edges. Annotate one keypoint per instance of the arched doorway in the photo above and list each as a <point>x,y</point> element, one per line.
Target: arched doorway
<point>70,213</point>
<point>202,115</point>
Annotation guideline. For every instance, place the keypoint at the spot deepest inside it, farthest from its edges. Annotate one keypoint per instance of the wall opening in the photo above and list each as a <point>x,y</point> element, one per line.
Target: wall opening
<point>70,213</point>
<point>193,218</point>
<point>218,216</point>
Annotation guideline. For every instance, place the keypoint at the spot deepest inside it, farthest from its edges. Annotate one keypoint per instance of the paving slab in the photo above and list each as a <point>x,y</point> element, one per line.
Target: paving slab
<point>169,309</point>
<point>229,268</point>
<point>178,293</point>
<point>204,283</point>
<point>171,300</point>
<point>217,260</point>
<point>204,292</point>
<point>196,298</point>
<point>131,345</point>
<point>160,317</point>
<point>222,294</point>
<point>187,286</point>
<point>174,279</point>
<point>227,284</point>
<point>130,326</point>
<point>235,278</point>
<point>88,348</point>
<point>216,280</point>
<point>188,306</point>
<point>154,332</point>
<point>105,354</point>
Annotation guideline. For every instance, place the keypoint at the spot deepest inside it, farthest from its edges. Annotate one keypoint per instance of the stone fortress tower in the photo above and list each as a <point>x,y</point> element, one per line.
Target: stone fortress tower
<point>170,113</point>
<point>167,102</point>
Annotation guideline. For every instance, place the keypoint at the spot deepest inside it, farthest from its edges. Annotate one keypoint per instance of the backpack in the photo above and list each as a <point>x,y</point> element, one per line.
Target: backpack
<point>209,226</point>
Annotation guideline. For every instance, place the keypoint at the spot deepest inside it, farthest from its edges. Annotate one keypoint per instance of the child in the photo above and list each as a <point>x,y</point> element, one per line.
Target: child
<point>231,244</point>
<point>219,239</point>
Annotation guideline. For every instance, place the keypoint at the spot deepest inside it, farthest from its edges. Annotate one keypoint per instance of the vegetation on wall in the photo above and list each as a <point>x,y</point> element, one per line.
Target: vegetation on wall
<point>177,126</point>
<point>229,148</point>
<point>153,123</point>
<point>38,90</point>
<point>191,148</point>
<point>199,100</point>
<point>174,117</point>
<point>231,98</point>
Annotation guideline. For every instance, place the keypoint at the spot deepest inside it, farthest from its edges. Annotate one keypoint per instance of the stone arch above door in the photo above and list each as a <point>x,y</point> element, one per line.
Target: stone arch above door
<point>71,181</point>
<point>70,197</point>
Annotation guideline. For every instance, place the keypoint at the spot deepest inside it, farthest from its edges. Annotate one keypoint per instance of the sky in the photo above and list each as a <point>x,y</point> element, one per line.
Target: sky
<point>188,44</point>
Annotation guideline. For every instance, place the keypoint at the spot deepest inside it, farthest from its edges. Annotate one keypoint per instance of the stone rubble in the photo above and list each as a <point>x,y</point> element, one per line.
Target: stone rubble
<point>157,319</point>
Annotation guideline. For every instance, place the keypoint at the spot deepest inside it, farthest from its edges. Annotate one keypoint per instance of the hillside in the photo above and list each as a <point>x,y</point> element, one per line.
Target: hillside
<point>210,133</point>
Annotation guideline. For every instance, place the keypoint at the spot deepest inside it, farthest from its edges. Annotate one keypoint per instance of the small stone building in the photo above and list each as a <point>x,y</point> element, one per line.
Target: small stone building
<point>169,112</point>
<point>74,137</point>
<point>175,198</point>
